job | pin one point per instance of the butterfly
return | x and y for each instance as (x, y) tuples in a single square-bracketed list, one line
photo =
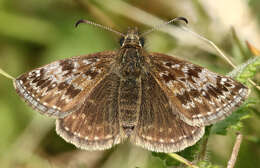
[(157, 101)]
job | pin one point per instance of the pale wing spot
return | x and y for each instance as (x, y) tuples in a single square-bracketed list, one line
[(212, 117), (73, 117), (186, 106), (189, 105), (169, 84), (185, 69), (209, 113), (54, 107), (211, 102), (218, 99), (161, 140), (182, 137), (83, 116), (67, 100), (192, 104), (89, 78), (199, 100), (222, 97), (179, 92), (108, 136), (203, 93), (99, 71), (38, 74), (149, 126), (75, 64), (175, 66), (149, 138), (41, 107), (77, 134), (240, 91), (199, 115), (51, 111), (54, 85), (53, 66), (161, 129), (66, 128), (93, 69), (161, 74), (223, 80), (86, 61)]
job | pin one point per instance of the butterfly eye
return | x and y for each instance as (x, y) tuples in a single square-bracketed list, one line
[(142, 41), (121, 41)]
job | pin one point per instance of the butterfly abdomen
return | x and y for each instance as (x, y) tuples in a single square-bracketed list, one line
[(129, 104)]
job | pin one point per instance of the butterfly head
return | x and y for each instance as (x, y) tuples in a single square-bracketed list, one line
[(132, 39)]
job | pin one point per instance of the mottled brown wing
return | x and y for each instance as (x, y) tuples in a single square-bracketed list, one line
[(95, 125), (199, 96), (59, 88), (159, 128)]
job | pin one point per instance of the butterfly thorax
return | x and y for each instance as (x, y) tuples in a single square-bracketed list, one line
[(130, 58)]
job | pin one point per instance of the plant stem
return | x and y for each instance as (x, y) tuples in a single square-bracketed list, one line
[(203, 150), (6, 74), (233, 158), (182, 160), (204, 144)]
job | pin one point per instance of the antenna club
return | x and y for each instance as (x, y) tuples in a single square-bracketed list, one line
[(165, 23), (183, 19), (79, 22)]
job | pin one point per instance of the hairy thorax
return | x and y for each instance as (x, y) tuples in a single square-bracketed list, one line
[(130, 63)]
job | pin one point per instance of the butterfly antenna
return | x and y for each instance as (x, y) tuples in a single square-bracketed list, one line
[(165, 23), (98, 25)]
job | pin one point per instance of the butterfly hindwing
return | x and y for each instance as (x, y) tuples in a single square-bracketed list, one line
[(159, 128), (95, 125), (59, 88), (199, 96)]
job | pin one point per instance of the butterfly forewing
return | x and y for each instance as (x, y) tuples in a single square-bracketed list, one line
[(95, 125), (59, 88), (159, 128), (198, 96)]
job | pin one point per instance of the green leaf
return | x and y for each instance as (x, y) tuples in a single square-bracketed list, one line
[(234, 120), (242, 73), (205, 164), (189, 153), (246, 71)]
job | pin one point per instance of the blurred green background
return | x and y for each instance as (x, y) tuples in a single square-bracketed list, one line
[(34, 32)]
